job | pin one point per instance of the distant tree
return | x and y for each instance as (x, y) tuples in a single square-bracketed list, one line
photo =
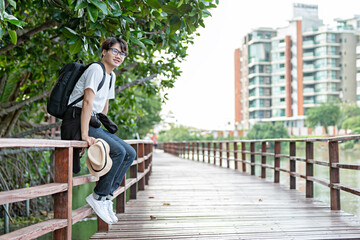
[(267, 130), (327, 114), (352, 123), (349, 114), (177, 133)]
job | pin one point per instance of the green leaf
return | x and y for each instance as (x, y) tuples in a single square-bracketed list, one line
[(2, 31), (170, 9), (93, 12), (154, 4), (180, 3), (100, 4), (69, 33), (147, 41), (12, 3), (136, 41), (13, 36), (13, 20), (114, 5), (76, 47), (2, 6), (175, 27), (80, 4), (206, 13), (186, 8)]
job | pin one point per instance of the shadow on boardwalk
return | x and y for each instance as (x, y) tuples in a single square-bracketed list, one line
[(194, 200)]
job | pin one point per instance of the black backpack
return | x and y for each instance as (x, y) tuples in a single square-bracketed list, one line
[(68, 77)]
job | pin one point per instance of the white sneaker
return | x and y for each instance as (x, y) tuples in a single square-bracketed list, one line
[(100, 208), (111, 211)]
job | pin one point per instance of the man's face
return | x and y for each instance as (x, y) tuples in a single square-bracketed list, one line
[(114, 57)]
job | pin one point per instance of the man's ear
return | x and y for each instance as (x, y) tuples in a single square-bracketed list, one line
[(103, 53)]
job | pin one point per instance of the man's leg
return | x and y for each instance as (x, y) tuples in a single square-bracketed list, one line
[(125, 165)]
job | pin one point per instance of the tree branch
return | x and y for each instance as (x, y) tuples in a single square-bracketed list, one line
[(24, 150), (26, 36), (126, 69), (136, 82), (37, 129), (161, 30), (18, 105), (2, 84)]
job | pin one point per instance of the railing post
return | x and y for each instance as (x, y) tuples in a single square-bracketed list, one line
[(148, 150), (193, 150), (63, 200), (133, 174), (277, 162), (197, 151), (121, 199), (252, 156), (182, 150), (209, 146), (309, 169), (227, 155), (214, 149), (220, 153), (203, 150), (263, 160), (141, 166), (334, 175), (243, 156), (292, 146), (236, 155)]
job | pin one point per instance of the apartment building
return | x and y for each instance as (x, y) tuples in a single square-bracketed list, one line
[(281, 73)]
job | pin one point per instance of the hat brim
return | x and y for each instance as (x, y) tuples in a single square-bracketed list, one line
[(98, 150)]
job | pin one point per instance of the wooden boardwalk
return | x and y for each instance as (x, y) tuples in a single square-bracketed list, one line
[(194, 200)]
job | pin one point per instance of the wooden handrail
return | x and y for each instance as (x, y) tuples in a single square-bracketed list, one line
[(61, 189), (242, 148)]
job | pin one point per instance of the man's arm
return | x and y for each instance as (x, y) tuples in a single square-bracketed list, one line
[(87, 107), (106, 108)]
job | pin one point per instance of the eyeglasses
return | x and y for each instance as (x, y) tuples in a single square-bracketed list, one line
[(115, 52)]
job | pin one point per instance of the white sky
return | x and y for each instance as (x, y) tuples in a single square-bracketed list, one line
[(203, 97)]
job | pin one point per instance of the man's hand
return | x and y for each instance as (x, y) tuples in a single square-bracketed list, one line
[(89, 140)]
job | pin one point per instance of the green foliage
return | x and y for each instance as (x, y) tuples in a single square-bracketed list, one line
[(267, 130), (147, 113), (179, 133), (350, 116), (157, 31), (328, 114), (349, 144), (351, 123)]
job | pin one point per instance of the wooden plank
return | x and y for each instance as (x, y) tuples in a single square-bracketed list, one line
[(210, 202), (23, 142), (31, 192), (81, 213), (84, 179), (35, 230)]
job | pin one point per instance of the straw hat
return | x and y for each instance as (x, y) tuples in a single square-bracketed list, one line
[(98, 159)]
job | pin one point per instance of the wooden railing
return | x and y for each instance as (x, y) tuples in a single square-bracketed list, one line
[(61, 189), (218, 152)]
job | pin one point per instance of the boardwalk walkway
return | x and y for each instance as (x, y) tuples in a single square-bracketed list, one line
[(194, 200)]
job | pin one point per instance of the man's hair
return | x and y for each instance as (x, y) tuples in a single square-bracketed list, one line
[(110, 41)]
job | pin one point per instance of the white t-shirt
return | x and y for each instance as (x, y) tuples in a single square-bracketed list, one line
[(91, 78)]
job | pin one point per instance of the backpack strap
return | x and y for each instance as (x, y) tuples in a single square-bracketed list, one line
[(101, 84), (103, 80)]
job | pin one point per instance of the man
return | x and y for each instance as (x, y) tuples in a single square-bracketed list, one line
[(114, 51)]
